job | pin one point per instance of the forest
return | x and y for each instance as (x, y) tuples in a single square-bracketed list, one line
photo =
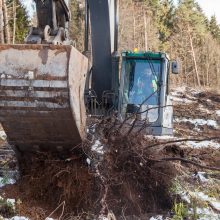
[(183, 31)]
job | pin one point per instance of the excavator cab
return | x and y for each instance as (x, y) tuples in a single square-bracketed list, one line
[(144, 90)]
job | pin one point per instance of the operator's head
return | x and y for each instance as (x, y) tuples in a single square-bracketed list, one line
[(147, 71)]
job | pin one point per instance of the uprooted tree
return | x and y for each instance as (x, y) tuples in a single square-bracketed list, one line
[(116, 170)]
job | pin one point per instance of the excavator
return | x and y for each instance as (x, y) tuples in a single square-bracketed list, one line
[(48, 88)]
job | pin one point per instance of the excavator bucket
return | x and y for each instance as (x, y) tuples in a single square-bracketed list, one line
[(42, 96)]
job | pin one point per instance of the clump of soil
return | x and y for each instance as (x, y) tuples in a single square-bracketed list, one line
[(48, 178), (126, 179), (135, 183)]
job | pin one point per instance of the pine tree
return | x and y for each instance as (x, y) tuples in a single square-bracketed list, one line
[(22, 23), (19, 21), (165, 19), (76, 25), (154, 5), (214, 28), (189, 35)]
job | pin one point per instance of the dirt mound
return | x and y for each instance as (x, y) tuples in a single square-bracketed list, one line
[(125, 178), (116, 170), (53, 180), (135, 184)]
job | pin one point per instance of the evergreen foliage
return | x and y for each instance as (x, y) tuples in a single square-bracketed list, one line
[(182, 30), (214, 28), (22, 20), (76, 25), (165, 22), (22, 23)]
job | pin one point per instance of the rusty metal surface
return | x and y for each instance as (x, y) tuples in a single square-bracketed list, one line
[(41, 96)]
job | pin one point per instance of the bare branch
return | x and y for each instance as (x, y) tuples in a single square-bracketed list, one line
[(186, 161), (182, 140)]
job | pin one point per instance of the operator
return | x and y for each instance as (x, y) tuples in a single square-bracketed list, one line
[(145, 88)]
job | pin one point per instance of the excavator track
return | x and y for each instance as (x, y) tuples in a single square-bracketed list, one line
[(41, 96)]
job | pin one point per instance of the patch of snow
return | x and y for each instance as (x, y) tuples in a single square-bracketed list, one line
[(159, 217), (181, 89), (19, 218), (212, 123), (181, 100), (216, 205), (98, 147), (212, 201), (88, 161), (153, 137), (217, 113), (205, 214), (200, 122), (201, 195), (165, 137), (7, 181), (49, 219), (92, 129), (197, 129), (11, 202), (176, 93), (200, 176), (3, 136), (185, 197), (3, 76), (203, 144), (187, 92)]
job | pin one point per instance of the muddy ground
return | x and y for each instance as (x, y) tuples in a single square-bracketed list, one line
[(120, 175)]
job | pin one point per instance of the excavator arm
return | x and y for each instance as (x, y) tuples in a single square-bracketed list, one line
[(103, 17), (53, 18)]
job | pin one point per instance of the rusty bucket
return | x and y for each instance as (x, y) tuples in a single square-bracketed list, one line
[(42, 96)]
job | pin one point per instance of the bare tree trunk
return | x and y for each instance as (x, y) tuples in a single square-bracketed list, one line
[(185, 65), (145, 32), (207, 74), (1, 24), (6, 24), (134, 32), (194, 59), (218, 75), (14, 21), (203, 78), (203, 71)]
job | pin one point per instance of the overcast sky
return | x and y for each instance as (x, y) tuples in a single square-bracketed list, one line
[(210, 7)]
